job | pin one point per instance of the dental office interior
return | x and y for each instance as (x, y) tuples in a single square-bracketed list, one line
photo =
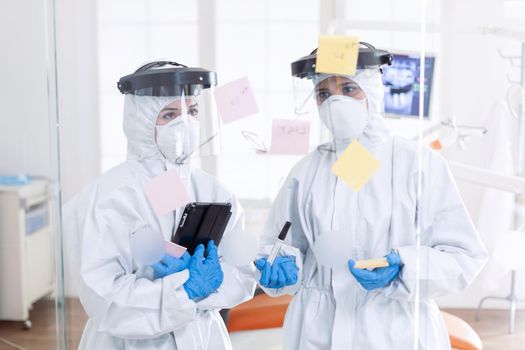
[(62, 117)]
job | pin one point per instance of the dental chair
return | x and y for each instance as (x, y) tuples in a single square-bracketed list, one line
[(264, 312)]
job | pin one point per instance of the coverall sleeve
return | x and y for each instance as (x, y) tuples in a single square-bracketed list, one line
[(115, 298), (452, 253), (285, 208), (238, 285)]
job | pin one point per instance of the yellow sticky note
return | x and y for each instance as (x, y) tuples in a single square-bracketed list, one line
[(337, 54), (356, 166), (371, 263)]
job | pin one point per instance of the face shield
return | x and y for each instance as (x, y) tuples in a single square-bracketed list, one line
[(343, 102), (184, 121)]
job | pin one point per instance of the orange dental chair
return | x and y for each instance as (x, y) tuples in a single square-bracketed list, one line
[(264, 312)]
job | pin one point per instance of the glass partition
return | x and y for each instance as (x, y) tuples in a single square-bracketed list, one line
[(402, 181), (32, 303)]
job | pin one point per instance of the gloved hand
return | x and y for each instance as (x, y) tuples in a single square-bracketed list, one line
[(169, 264), (379, 277), (283, 272), (206, 275)]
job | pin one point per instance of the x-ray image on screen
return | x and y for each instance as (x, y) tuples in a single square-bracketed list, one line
[(401, 81)]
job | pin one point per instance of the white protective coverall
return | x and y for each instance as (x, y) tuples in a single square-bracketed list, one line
[(330, 310), (126, 308)]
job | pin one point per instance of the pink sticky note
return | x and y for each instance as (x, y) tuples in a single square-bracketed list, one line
[(166, 192), (290, 136), (235, 100), (173, 249)]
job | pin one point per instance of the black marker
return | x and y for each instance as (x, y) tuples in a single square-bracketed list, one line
[(280, 241)]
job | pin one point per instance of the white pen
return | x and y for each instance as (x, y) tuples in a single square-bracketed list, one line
[(280, 241)]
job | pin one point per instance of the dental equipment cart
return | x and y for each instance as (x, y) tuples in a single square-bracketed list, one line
[(26, 259)]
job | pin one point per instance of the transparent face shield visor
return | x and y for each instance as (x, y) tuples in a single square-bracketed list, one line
[(304, 99), (311, 92), (193, 110)]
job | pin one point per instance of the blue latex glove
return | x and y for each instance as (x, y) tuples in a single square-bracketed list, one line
[(379, 277), (169, 264), (206, 275), (283, 272)]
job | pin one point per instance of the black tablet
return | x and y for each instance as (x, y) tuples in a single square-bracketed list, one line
[(201, 222)]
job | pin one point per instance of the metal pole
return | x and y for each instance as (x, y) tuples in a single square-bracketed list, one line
[(54, 158), (520, 204), (521, 139), (207, 59)]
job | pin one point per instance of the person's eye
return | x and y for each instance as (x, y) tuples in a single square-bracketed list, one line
[(194, 112), (348, 89), (168, 116), (322, 95)]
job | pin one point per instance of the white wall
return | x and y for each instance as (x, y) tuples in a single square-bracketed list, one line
[(24, 131), (23, 91), (474, 78), (78, 94), (24, 127), (78, 101)]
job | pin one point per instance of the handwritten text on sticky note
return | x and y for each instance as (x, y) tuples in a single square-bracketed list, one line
[(337, 54), (166, 192), (356, 166), (290, 136), (235, 100)]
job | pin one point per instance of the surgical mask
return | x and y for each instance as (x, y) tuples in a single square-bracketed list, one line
[(178, 139), (345, 117)]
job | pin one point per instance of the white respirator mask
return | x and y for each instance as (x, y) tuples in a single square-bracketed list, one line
[(345, 117), (178, 139)]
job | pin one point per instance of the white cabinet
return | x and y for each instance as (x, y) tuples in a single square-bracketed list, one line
[(26, 254)]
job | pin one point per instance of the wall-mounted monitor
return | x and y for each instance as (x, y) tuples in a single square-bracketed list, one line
[(401, 82)]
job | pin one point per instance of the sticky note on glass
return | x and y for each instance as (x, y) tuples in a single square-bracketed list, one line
[(436, 145), (356, 166), (371, 263), (235, 100), (166, 192), (337, 54), (174, 249), (290, 136)]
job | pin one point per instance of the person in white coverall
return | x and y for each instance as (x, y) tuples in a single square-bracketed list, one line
[(349, 308), (177, 307)]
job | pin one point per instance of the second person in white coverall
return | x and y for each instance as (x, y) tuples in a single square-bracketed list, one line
[(347, 308), (127, 307)]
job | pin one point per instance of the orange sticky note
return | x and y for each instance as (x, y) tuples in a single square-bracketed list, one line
[(166, 192), (356, 166), (337, 54), (436, 145)]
